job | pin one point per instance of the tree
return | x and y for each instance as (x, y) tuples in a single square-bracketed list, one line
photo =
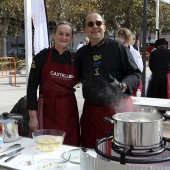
[(127, 14), (164, 18), (11, 18), (72, 11), (117, 13)]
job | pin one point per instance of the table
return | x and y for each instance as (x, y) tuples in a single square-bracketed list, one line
[(152, 103), (155, 103), (20, 161)]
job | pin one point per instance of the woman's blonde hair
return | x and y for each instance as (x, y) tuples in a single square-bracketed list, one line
[(124, 33)]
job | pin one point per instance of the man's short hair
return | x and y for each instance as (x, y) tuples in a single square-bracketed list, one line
[(160, 42), (85, 16)]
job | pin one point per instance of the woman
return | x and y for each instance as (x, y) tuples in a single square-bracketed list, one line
[(54, 72), (124, 35)]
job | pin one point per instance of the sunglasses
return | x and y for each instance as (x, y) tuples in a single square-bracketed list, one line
[(91, 23)]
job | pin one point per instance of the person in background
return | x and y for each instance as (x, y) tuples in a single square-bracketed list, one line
[(53, 71), (108, 74), (21, 108), (80, 45), (85, 42), (159, 64), (124, 35), (136, 45)]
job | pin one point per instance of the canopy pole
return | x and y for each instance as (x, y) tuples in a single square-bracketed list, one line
[(157, 20), (144, 46), (28, 36)]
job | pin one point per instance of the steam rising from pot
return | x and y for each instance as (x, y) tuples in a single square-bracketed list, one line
[(98, 91)]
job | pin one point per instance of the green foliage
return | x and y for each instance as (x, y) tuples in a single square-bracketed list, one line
[(70, 10), (12, 16), (117, 13), (164, 18)]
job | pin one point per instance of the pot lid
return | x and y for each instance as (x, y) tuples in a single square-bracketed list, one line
[(9, 117)]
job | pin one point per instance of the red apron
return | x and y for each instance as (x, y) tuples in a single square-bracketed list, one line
[(168, 85), (57, 105), (93, 126), (154, 89)]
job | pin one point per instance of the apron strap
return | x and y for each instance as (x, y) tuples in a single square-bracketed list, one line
[(40, 112)]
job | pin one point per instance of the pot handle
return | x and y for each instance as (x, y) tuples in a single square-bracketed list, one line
[(166, 116), (20, 122), (108, 120)]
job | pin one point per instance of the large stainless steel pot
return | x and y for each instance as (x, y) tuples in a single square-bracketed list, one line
[(9, 126), (137, 129)]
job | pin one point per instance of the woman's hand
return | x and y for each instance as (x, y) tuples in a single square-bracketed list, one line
[(33, 123)]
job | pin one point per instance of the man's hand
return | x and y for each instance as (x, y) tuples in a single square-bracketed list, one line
[(123, 87), (117, 85)]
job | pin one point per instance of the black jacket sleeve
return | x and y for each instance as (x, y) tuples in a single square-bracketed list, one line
[(131, 75), (34, 79)]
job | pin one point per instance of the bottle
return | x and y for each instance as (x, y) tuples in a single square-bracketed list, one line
[(138, 93)]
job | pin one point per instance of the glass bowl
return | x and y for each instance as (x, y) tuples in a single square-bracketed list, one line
[(50, 161), (48, 139)]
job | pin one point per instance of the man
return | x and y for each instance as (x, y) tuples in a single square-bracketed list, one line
[(86, 41), (106, 69), (80, 45), (159, 64)]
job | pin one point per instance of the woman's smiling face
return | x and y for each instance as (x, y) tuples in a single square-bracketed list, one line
[(63, 36)]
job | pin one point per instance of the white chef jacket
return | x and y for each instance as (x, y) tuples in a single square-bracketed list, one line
[(137, 57)]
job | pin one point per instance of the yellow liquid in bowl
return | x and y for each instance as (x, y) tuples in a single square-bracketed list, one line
[(48, 142)]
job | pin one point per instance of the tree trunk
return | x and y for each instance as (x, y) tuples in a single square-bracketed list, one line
[(4, 53), (3, 31), (1, 47)]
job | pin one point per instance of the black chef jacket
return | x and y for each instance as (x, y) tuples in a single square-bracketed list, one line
[(96, 64), (159, 60), (35, 73)]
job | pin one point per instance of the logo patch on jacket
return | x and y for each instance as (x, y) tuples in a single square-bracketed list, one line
[(97, 57)]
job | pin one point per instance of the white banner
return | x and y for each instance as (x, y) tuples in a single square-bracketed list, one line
[(40, 25)]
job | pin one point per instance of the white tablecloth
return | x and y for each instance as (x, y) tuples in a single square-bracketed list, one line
[(20, 161), (153, 103)]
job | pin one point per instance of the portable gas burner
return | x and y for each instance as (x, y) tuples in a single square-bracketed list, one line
[(111, 150)]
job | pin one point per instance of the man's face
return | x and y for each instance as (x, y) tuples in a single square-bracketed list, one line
[(94, 28)]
